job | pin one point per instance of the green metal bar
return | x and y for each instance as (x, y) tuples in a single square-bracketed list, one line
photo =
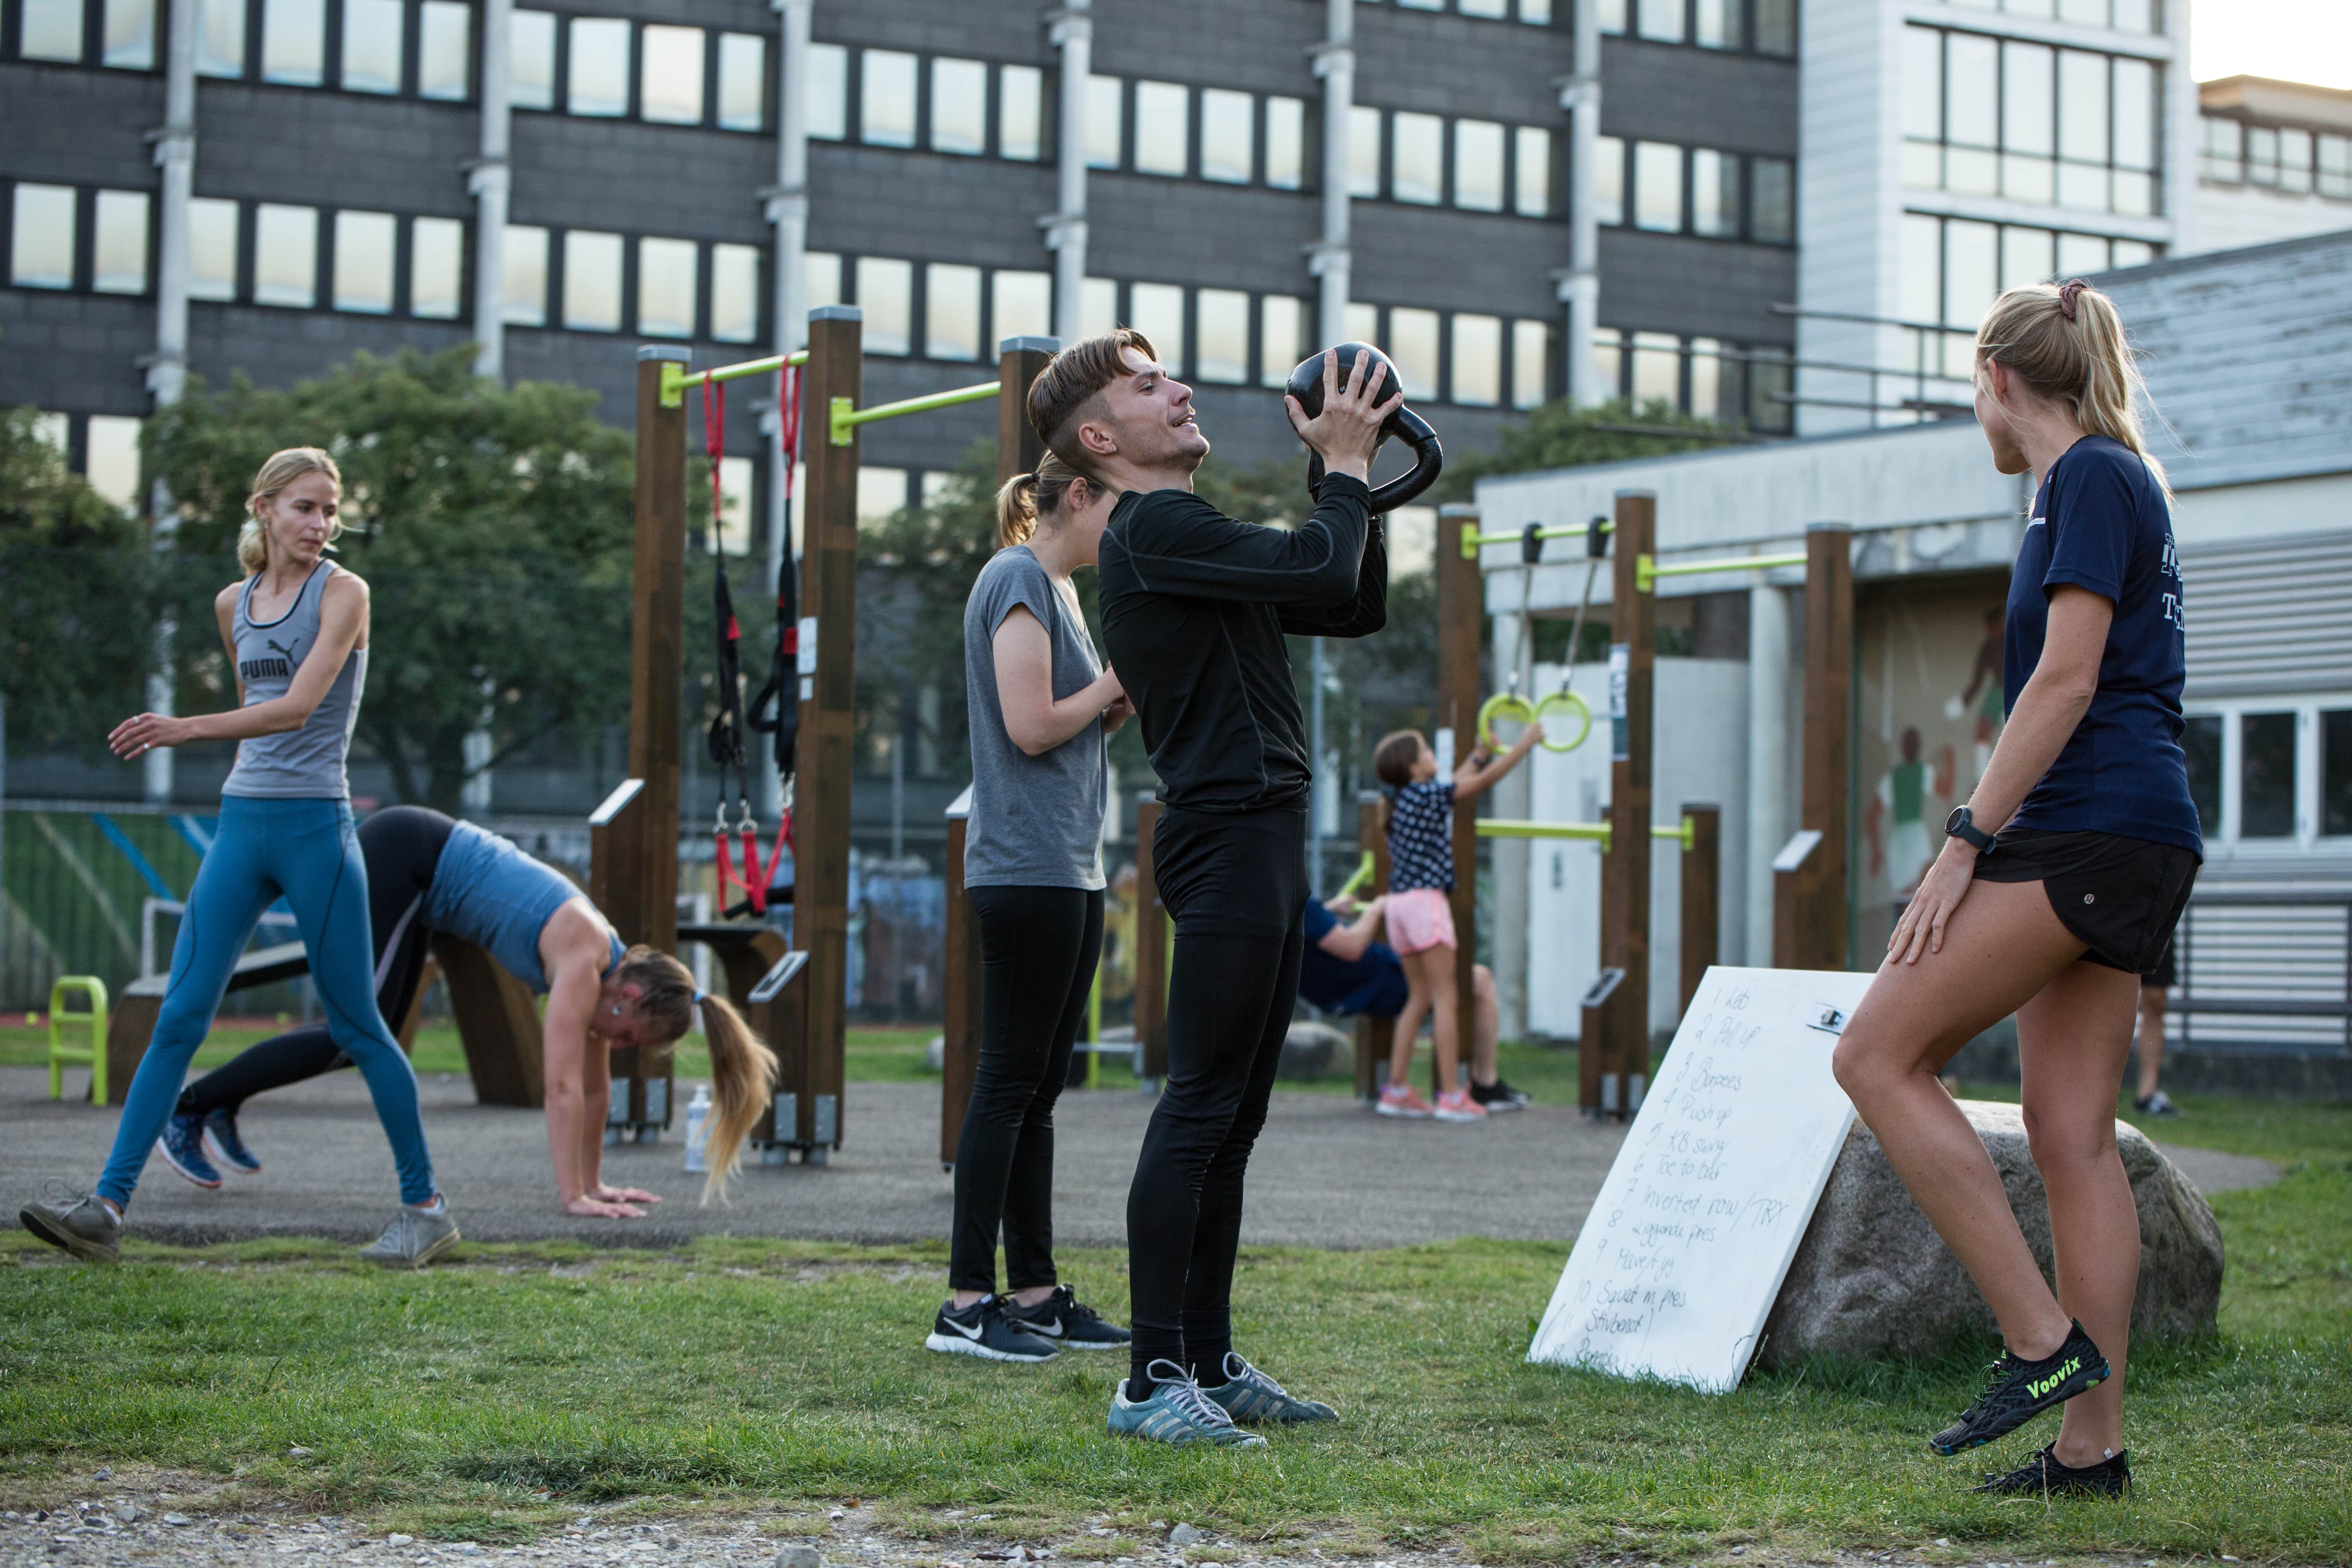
[(1363, 874), (1505, 828), (1646, 570), (1471, 539), (1687, 834), (676, 380), (846, 416)]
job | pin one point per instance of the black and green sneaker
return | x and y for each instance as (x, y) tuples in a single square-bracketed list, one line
[(2017, 1391), (2046, 1476)]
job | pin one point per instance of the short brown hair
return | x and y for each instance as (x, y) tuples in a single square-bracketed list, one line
[(1393, 758), (1074, 378)]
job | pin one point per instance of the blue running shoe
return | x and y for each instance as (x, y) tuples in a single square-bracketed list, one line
[(1248, 1395), (220, 1137), (1176, 1412), (183, 1148)]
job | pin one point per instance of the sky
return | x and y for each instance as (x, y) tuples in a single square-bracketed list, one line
[(2293, 40)]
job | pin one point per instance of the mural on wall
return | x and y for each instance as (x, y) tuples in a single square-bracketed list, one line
[(1928, 712)]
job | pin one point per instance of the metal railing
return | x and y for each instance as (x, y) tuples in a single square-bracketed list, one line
[(2274, 970)]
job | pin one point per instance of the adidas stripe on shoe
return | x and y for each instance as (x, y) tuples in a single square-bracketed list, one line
[(1177, 1412)]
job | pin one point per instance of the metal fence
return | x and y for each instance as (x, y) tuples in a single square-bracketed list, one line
[(2266, 972)]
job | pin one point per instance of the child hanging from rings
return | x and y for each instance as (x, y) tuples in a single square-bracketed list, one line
[(1420, 912)]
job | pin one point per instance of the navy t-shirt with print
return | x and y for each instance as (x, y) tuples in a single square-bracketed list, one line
[(2100, 523), (1421, 838)]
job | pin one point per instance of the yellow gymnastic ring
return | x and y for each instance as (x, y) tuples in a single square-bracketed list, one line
[(1567, 703), (1502, 705)]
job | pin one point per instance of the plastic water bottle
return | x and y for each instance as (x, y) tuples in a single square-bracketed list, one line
[(697, 1122)]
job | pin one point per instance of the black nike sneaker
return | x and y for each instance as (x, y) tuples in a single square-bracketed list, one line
[(1500, 1095), (2045, 1477), (983, 1329), (1063, 1320), (2016, 1391)]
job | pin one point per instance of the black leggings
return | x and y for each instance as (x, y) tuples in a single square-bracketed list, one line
[(1037, 953), (1236, 886), (401, 846)]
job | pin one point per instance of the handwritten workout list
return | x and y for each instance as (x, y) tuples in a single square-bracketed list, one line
[(1679, 1261)]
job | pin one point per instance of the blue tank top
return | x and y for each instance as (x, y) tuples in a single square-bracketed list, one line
[(493, 895)]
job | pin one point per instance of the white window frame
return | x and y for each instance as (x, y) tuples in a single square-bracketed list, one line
[(2306, 707)]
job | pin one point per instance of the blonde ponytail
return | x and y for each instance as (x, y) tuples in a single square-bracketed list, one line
[(1027, 501), (742, 1067), (2065, 343), (282, 470)]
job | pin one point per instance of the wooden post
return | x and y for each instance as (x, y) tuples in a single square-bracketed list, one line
[(1151, 948), (1019, 448), (1702, 890), (960, 984), (1375, 1038), (497, 1024), (1461, 620), (1827, 740), (1626, 869)]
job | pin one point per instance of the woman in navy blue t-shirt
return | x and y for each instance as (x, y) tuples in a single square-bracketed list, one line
[(2058, 883)]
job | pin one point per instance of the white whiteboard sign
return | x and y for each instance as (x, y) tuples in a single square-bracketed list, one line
[(1686, 1247)]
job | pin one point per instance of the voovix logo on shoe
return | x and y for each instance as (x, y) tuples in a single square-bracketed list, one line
[(2040, 1385)]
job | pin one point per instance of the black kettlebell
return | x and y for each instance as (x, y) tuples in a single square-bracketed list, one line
[(1306, 384)]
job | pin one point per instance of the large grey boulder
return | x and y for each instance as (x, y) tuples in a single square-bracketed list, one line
[(1309, 1049), (1871, 1278)]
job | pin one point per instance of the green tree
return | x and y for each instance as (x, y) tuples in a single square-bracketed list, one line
[(492, 524)]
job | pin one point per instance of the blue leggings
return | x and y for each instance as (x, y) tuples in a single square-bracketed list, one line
[(306, 850)]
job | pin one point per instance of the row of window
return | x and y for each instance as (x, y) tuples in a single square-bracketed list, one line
[(1694, 190), (2117, 16), (2284, 157), (2001, 117), (1534, 13), (1953, 269), (425, 49), (1704, 376), (2282, 774), (1764, 26), (101, 448)]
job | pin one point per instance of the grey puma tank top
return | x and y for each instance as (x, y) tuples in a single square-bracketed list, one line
[(298, 765)]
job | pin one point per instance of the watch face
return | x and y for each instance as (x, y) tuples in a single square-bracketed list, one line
[(1958, 820)]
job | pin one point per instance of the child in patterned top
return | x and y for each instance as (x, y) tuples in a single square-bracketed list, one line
[(1419, 910)]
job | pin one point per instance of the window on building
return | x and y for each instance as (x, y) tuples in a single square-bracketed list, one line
[(2028, 123), (1496, 9), (212, 248), (51, 30), (1021, 304), (1772, 200), (736, 478), (2135, 132), (1156, 310), (1363, 152), (885, 290), (743, 81), (1221, 353), (669, 85), (1919, 272), (2131, 253), (1286, 144), (1657, 369), (1530, 363), (2335, 167), (886, 100), (1768, 384), (1658, 186), (1098, 306), (2027, 256), (1413, 349), (42, 234), (2083, 140), (130, 41), (1163, 123), (951, 310), (1477, 368), (2267, 776), (445, 50), (294, 42), (1610, 15), (735, 292), (119, 256), (1531, 173), (220, 38), (1971, 272), (2200, 739), (1607, 180), (373, 31), (1478, 165), (110, 459), (530, 43), (598, 82), (1608, 360), (829, 92), (1923, 108), (1715, 194), (1228, 136), (1106, 122), (436, 262), (1660, 20), (523, 288), (959, 107), (1706, 378), (2080, 255), (1417, 157), (365, 245), (285, 256), (1363, 325), (592, 280), (880, 493), (1020, 112), (2334, 771), (1282, 337), (2223, 148), (668, 294), (1717, 24), (1776, 28), (821, 278)]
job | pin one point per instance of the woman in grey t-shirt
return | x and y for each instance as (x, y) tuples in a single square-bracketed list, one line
[(1040, 705)]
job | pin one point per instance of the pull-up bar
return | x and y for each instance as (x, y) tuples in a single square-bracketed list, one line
[(1597, 832), (1646, 570), (676, 379), (845, 415), (1471, 539)]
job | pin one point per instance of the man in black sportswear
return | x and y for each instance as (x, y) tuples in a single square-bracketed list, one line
[(1195, 608)]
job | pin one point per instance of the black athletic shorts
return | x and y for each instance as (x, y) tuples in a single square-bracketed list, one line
[(2119, 897), (2165, 975)]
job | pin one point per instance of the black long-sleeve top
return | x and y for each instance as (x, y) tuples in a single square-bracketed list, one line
[(1194, 609)]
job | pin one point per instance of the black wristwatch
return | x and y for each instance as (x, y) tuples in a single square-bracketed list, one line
[(1963, 827)]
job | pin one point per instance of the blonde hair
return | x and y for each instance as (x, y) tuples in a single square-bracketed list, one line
[(1027, 499), (742, 1067), (282, 470), (2065, 342)]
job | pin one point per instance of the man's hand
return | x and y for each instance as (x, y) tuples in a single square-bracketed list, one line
[(1348, 431)]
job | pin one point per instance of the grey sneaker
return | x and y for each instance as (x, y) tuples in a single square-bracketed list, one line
[(1176, 1412), (1248, 1395), (78, 1222), (414, 1238)]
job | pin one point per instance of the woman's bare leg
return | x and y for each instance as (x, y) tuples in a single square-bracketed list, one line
[(2002, 947), (2072, 1041), (2151, 1038)]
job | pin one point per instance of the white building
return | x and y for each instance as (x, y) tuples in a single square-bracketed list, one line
[(2275, 161)]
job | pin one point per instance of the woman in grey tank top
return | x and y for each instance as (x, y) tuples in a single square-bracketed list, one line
[(296, 630)]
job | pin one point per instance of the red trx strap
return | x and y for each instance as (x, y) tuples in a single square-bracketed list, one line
[(781, 696), (725, 737)]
